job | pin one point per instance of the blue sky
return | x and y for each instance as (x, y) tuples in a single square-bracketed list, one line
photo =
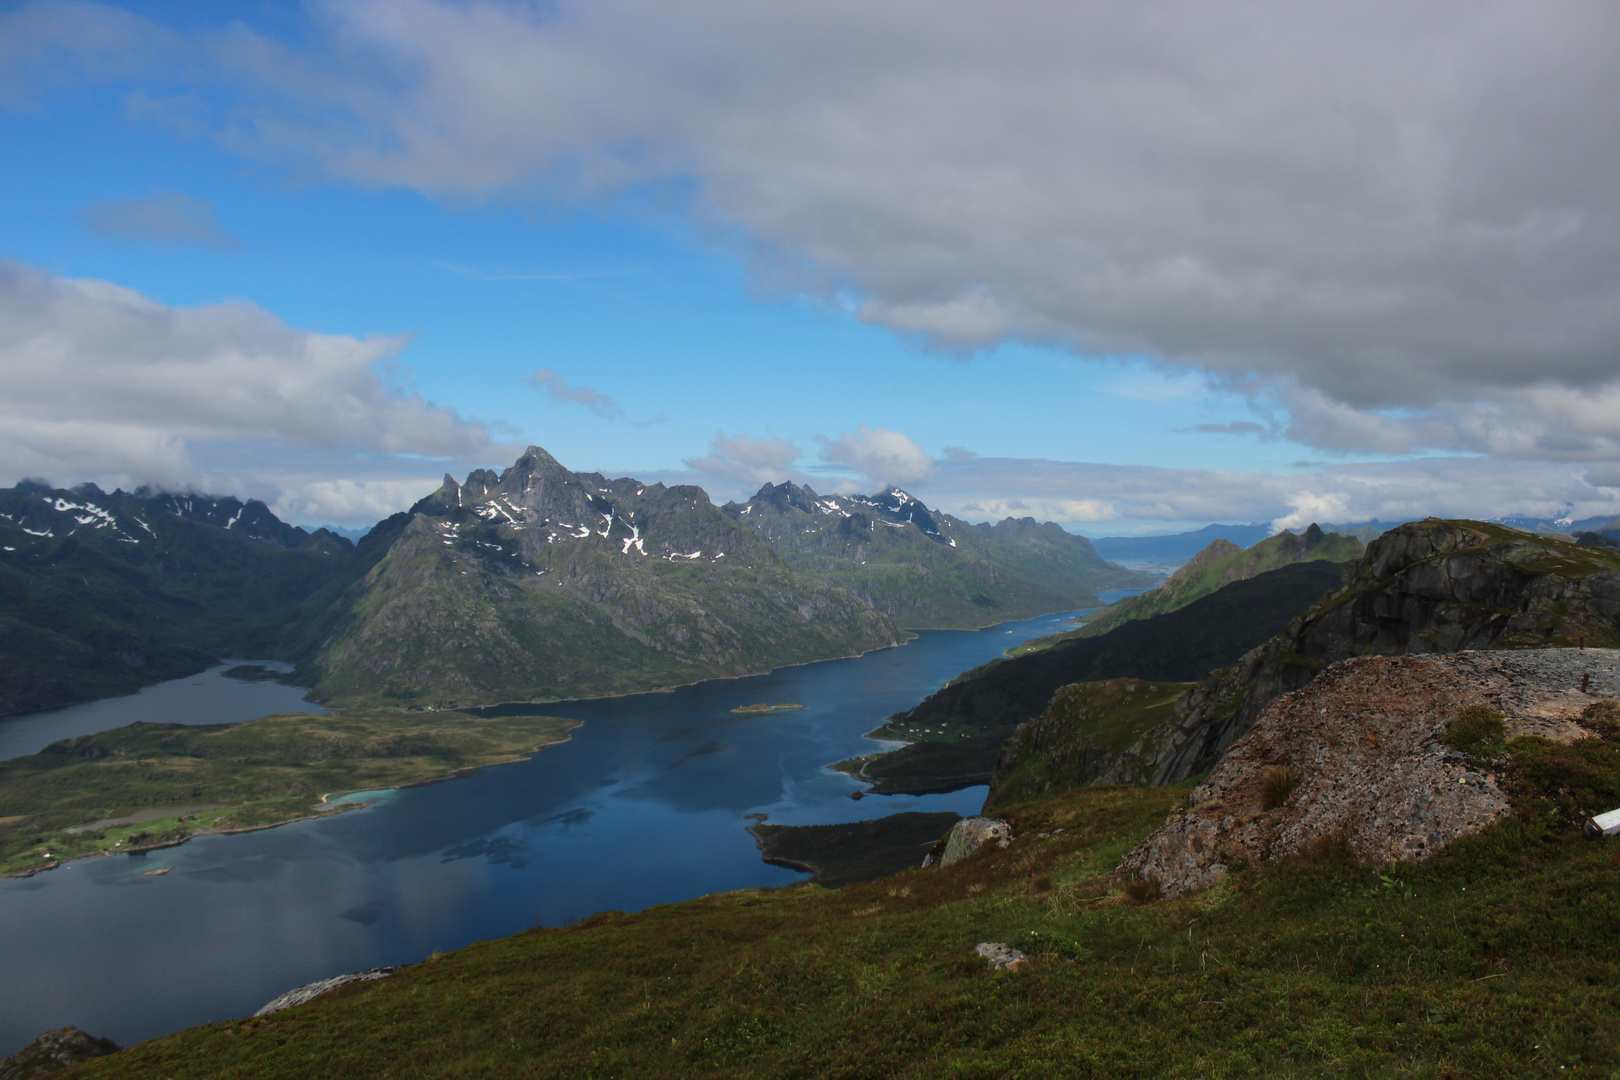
[(333, 213)]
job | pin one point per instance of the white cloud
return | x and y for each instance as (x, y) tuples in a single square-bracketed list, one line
[(97, 381), (888, 458), (1380, 208), (745, 458), (557, 391), (1137, 497), (166, 217)]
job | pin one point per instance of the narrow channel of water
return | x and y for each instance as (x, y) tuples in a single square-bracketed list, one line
[(207, 697), (645, 805)]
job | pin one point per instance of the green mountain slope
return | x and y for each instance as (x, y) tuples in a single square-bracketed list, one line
[(102, 594), (1218, 565), (925, 569), (955, 734), (1425, 587), (540, 584)]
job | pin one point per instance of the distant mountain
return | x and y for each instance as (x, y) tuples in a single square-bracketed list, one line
[(541, 583), (1173, 549), (1219, 565), (924, 568), (105, 593)]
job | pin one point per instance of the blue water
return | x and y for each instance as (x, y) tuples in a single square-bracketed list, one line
[(207, 697), (645, 805)]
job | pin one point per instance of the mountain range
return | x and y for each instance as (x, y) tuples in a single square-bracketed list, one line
[(925, 569), (102, 594), (537, 583)]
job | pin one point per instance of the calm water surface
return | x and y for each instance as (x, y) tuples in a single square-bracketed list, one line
[(645, 805), (205, 698)]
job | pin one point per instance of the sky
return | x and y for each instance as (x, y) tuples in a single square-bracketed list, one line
[(1130, 267)]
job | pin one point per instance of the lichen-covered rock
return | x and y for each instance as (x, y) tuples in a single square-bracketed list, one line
[(1365, 760), (316, 989), (969, 834), (1002, 957), (53, 1052)]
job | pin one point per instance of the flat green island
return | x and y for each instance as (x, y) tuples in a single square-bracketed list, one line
[(156, 785), (761, 707)]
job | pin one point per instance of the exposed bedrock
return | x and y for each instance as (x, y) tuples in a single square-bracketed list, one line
[(1364, 758)]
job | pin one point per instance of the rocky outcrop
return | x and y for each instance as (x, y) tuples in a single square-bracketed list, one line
[(1358, 754), (53, 1052), (309, 991), (1001, 956), (1425, 587), (970, 834)]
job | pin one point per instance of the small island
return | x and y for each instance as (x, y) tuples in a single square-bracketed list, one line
[(761, 707)]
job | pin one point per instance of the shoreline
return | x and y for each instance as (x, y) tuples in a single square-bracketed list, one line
[(320, 809)]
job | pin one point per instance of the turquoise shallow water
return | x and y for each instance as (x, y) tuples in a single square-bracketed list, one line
[(645, 805)]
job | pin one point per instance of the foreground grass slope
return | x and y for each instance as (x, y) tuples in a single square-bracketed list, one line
[(1501, 957)]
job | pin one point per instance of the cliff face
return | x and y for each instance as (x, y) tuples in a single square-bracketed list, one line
[(1426, 587), (1366, 764)]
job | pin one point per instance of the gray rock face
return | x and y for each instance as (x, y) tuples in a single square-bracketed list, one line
[(1423, 588), (969, 834), (1362, 743), (316, 989), (54, 1051)]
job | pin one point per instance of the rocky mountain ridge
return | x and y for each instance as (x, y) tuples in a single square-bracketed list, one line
[(105, 593), (925, 569), (540, 583)]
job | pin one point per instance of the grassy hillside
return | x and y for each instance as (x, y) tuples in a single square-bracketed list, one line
[(957, 732), (1218, 565), (1500, 957)]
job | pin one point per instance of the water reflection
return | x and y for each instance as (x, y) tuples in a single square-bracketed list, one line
[(645, 805)]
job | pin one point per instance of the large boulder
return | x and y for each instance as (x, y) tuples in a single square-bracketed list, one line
[(1358, 755)]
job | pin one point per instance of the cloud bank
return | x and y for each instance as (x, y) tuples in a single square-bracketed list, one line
[(1394, 225), (99, 382)]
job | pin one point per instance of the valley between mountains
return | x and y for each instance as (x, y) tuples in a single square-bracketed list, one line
[(1270, 759)]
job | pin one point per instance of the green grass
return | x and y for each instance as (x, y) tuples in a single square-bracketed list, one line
[(182, 780), (1500, 957), (1087, 726)]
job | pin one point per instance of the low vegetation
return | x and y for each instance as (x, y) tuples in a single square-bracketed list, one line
[(154, 784), (956, 734), (1499, 957)]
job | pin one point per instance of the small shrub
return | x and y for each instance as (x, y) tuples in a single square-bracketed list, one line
[(1333, 847), (1602, 717), (1475, 730), (1142, 888), (1276, 786)]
